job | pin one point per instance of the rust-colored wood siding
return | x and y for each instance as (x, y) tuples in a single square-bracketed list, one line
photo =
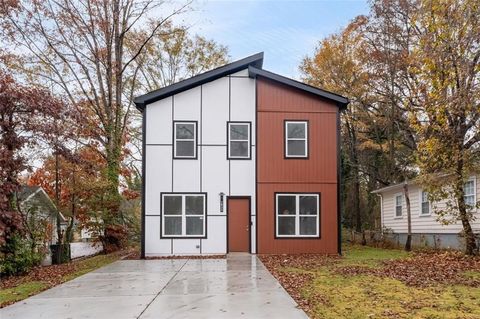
[(317, 174)]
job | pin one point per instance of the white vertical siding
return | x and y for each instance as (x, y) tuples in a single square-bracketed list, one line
[(153, 244), (215, 111), (420, 224), (215, 176), (158, 176), (186, 175), (159, 122), (217, 235), (212, 105)]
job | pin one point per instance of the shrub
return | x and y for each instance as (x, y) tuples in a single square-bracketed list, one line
[(115, 238), (18, 256)]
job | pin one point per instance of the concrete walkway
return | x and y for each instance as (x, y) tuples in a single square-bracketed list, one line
[(236, 287)]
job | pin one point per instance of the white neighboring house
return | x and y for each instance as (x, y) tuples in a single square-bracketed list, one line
[(426, 229)]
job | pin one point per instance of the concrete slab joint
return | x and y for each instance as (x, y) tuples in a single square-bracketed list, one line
[(239, 286)]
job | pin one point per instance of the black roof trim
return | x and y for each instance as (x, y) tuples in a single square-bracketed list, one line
[(253, 60), (341, 101)]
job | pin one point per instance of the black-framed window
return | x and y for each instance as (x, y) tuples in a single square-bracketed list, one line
[(297, 215), (185, 139), (296, 139), (184, 215), (239, 140)]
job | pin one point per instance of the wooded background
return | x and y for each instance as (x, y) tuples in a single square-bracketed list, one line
[(69, 70)]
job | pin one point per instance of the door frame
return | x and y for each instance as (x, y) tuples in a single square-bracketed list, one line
[(249, 198)]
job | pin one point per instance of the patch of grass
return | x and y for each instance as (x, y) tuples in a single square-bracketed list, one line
[(90, 264), (30, 286), (335, 296), (472, 274), (22, 291), (324, 291), (357, 255)]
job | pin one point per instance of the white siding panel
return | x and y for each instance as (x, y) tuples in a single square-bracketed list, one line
[(215, 176), (158, 176), (215, 99), (187, 105), (186, 175), (243, 101), (217, 233), (153, 244), (253, 230), (242, 176), (241, 73), (186, 246), (159, 122)]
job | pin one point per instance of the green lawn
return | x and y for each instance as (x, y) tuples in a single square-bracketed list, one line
[(329, 293), (29, 286)]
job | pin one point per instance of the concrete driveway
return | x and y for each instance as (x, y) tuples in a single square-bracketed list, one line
[(236, 287)]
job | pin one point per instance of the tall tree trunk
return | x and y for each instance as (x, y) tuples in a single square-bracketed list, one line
[(355, 172), (408, 242), (470, 244)]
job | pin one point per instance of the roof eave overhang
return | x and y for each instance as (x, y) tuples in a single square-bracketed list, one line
[(253, 60), (339, 100)]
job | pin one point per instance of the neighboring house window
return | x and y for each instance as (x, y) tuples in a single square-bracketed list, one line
[(183, 215), (297, 215), (296, 139), (239, 140), (398, 205), (185, 140), (469, 190), (425, 203)]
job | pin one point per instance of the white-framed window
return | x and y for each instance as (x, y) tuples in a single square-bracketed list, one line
[(185, 139), (469, 193), (239, 140), (424, 203), (296, 139), (183, 215), (398, 205), (297, 215)]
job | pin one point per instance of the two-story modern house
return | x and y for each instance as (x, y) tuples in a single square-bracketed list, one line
[(239, 159)]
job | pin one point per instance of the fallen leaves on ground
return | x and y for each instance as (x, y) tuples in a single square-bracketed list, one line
[(295, 281), (423, 269)]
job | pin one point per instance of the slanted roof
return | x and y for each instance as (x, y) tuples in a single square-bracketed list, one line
[(35, 196), (26, 191), (143, 100), (341, 101), (254, 64)]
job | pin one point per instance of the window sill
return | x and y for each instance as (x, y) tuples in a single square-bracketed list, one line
[(398, 217), (424, 215)]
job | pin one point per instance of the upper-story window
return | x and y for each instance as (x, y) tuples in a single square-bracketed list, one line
[(185, 140), (239, 140), (469, 190), (425, 209), (398, 205), (296, 139)]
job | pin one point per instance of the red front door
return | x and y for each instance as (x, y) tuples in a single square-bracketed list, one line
[(238, 224)]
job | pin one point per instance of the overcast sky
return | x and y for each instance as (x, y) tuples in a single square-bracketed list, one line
[(285, 30)]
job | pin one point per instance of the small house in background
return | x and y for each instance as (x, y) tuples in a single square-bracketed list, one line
[(427, 230), (39, 209), (41, 213), (240, 159), (35, 202)]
